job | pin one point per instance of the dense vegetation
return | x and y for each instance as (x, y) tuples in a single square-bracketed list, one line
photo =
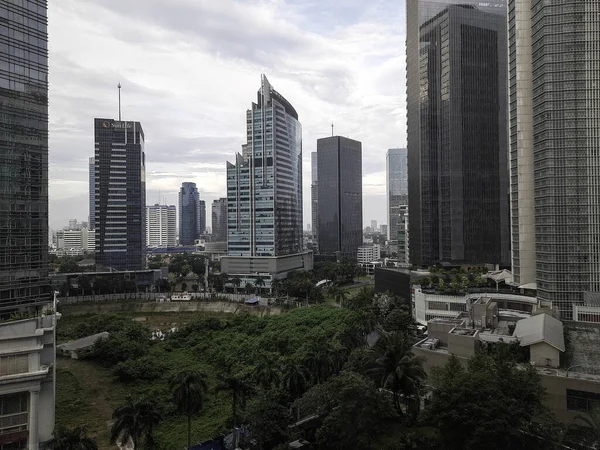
[(310, 373)]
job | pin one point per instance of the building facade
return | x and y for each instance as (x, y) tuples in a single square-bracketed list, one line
[(457, 132), (202, 217), (161, 226), (396, 176), (554, 148), (189, 214), (23, 155), (120, 194), (75, 242), (368, 253), (339, 167), (92, 193), (314, 200), (219, 220), (27, 357), (264, 186)]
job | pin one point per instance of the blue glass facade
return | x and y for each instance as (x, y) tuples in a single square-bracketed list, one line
[(190, 211)]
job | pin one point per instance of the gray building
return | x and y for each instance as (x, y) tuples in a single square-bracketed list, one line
[(27, 352), (92, 193), (264, 186), (190, 214), (340, 215), (554, 148), (202, 217), (396, 176), (23, 155), (219, 220), (314, 200), (457, 132), (120, 194)]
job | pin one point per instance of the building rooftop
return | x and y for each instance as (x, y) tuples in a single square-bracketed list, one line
[(447, 320), (541, 328)]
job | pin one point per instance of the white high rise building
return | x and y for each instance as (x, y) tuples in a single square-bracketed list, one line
[(161, 226)]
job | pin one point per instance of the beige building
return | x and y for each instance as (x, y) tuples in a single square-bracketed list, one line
[(27, 381)]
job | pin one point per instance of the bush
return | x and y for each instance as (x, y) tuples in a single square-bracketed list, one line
[(144, 368), (117, 348)]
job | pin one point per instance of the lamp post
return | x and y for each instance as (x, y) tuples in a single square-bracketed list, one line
[(571, 367)]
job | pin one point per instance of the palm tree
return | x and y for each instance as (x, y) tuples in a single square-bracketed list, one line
[(248, 287), (319, 361), (239, 387), (591, 420), (400, 370), (294, 378), (258, 283), (189, 389), (267, 371), (338, 295), (236, 281), (134, 420), (75, 439), (275, 286)]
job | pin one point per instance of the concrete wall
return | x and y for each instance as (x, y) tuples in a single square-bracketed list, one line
[(543, 354), (167, 307), (463, 345)]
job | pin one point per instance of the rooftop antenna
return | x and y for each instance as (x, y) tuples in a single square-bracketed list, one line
[(331, 129), (119, 86), (159, 196)]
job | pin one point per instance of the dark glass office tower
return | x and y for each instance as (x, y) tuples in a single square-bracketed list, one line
[(202, 217), (120, 190), (314, 200), (457, 132), (219, 220), (397, 190), (339, 167), (23, 155), (92, 193), (189, 214), (264, 186)]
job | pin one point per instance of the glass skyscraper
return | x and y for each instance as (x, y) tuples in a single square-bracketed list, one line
[(339, 167), (189, 214), (457, 132), (23, 155), (264, 185), (92, 193), (314, 199), (120, 194), (219, 220), (555, 148), (396, 171)]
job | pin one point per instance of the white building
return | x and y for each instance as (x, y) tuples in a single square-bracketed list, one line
[(368, 253), (75, 242), (27, 381), (161, 226)]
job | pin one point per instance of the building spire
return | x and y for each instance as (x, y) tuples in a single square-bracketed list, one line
[(331, 129), (119, 87)]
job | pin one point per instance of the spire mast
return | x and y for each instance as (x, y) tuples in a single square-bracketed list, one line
[(119, 87)]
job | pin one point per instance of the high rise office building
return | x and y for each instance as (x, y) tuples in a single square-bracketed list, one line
[(264, 186), (457, 132), (161, 226), (189, 214), (554, 148), (92, 193), (28, 358), (339, 169), (314, 200), (374, 225), (120, 194), (202, 217), (396, 176), (219, 220), (23, 155)]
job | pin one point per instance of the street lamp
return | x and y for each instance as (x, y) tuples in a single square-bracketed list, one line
[(576, 365)]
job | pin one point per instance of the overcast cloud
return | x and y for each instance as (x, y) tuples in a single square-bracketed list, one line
[(191, 68)]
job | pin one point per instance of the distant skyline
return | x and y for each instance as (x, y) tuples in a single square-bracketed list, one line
[(190, 86)]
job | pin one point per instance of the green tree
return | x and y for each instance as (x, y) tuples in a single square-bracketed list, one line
[(337, 294), (294, 378), (268, 419), (398, 368), (490, 404), (189, 389), (70, 439), (267, 372), (184, 286), (68, 264), (248, 288), (135, 420), (319, 361), (259, 283), (353, 411), (240, 387), (236, 281), (590, 432)]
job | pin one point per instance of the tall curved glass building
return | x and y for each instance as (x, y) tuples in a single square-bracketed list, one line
[(264, 185)]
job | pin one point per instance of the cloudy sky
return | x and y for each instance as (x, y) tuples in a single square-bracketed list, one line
[(191, 68)]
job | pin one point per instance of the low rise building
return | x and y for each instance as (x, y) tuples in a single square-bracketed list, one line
[(75, 242), (368, 253)]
